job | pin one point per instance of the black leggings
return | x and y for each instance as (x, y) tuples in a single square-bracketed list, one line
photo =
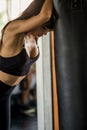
[(5, 96)]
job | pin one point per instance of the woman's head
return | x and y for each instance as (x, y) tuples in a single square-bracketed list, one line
[(38, 32)]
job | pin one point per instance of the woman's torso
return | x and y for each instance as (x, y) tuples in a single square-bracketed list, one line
[(11, 47)]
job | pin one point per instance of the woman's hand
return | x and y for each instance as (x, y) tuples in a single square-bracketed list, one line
[(31, 46)]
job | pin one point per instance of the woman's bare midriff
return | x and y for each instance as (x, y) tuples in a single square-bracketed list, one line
[(9, 79)]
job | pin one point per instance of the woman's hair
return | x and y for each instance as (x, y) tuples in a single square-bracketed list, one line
[(32, 10)]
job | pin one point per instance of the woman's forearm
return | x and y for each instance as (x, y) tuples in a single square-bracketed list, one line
[(47, 8)]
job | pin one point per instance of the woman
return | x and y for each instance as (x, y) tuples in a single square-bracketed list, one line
[(15, 59)]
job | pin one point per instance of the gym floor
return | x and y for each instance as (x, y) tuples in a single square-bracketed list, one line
[(21, 121)]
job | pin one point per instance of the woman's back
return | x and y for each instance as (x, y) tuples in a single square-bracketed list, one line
[(11, 45)]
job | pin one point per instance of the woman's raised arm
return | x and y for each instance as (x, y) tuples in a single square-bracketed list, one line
[(19, 26)]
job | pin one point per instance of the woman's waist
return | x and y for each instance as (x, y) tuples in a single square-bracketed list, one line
[(10, 79)]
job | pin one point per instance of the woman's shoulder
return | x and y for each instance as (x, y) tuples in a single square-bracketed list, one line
[(10, 43)]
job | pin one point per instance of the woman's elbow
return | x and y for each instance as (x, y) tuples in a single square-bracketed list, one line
[(46, 16)]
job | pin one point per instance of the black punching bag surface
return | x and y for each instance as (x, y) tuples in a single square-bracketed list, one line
[(70, 37)]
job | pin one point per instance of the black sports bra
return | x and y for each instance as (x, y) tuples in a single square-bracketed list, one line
[(18, 65)]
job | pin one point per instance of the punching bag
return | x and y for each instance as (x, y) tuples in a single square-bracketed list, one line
[(70, 37)]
